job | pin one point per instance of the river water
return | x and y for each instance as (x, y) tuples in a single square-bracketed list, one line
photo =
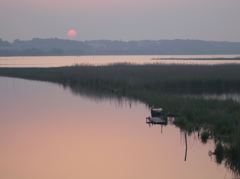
[(49, 132)]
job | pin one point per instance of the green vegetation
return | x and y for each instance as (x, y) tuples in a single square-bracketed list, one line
[(165, 86), (158, 78)]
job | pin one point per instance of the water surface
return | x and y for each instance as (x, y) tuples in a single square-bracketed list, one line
[(49, 132), (57, 61)]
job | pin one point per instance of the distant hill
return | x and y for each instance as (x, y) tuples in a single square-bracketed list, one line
[(57, 46)]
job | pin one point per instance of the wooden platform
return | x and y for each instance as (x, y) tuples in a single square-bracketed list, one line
[(156, 120)]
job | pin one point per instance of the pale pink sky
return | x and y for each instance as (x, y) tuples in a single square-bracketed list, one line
[(121, 19)]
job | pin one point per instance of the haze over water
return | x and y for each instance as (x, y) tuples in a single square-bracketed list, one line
[(49, 132), (58, 61)]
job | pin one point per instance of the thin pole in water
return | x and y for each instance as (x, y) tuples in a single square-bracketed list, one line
[(186, 146)]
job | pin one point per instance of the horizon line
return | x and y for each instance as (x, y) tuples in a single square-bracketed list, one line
[(118, 40)]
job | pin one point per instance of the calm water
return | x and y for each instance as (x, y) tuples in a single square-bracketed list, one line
[(104, 60), (48, 132)]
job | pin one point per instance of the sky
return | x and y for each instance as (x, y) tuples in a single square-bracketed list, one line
[(217, 20)]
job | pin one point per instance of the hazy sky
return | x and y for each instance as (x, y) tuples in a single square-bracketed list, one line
[(121, 19)]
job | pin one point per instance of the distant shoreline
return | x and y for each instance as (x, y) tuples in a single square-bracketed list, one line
[(165, 58), (171, 56), (62, 47), (200, 59), (121, 55)]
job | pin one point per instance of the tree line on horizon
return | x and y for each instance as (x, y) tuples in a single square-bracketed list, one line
[(56, 46)]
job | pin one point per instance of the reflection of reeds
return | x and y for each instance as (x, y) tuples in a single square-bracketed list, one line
[(163, 85)]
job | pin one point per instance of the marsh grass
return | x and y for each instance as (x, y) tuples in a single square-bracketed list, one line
[(162, 78)]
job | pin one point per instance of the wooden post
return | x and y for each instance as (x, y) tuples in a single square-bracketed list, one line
[(186, 146)]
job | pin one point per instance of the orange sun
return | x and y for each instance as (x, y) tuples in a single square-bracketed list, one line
[(72, 33)]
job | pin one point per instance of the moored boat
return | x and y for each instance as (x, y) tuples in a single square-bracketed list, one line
[(156, 112)]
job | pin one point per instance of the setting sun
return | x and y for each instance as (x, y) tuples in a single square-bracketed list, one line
[(72, 33)]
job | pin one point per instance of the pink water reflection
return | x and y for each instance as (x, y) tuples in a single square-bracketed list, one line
[(47, 132)]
